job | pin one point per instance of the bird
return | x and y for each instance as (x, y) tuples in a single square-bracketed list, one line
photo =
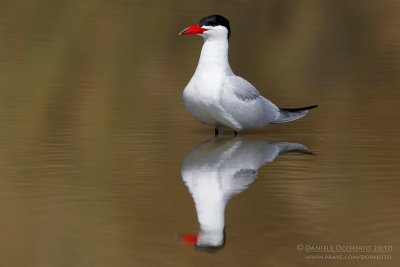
[(216, 170), (221, 99)]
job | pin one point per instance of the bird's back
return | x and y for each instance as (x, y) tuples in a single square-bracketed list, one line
[(245, 104)]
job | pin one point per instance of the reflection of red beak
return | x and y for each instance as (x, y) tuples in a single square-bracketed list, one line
[(189, 239), (194, 29)]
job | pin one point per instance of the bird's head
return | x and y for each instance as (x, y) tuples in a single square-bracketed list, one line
[(209, 241), (211, 27)]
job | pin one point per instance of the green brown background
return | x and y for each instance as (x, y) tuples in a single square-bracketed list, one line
[(93, 131)]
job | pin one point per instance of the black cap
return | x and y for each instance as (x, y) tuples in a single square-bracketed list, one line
[(216, 20)]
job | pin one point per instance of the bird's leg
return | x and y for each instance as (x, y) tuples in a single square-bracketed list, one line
[(235, 133), (216, 131)]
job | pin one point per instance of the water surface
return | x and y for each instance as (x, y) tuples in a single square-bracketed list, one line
[(93, 132)]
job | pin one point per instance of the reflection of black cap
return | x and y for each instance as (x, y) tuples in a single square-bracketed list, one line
[(212, 248)]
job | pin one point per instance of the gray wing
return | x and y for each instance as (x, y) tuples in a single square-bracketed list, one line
[(245, 105), (242, 179), (242, 88)]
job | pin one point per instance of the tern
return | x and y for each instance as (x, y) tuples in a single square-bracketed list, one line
[(221, 99), (218, 169)]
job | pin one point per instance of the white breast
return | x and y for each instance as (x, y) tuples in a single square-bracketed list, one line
[(202, 96)]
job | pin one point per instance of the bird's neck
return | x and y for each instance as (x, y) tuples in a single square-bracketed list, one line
[(210, 201), (214, 55), (211, 217)]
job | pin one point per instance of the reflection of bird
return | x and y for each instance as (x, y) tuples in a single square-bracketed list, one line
[(216, 96), (216, 170)]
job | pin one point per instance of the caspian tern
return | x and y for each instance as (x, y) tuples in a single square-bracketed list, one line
[(217, 97), (218, 169)]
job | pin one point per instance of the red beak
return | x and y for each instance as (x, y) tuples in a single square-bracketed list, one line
[(189, 239), (194, 29)]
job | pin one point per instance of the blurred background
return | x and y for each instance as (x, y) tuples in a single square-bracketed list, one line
[(93, 130)]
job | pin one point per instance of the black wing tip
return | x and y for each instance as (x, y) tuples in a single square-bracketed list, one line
[(313, 106), (299, 109)]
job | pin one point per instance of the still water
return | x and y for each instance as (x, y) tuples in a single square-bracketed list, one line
[(98, 156)]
